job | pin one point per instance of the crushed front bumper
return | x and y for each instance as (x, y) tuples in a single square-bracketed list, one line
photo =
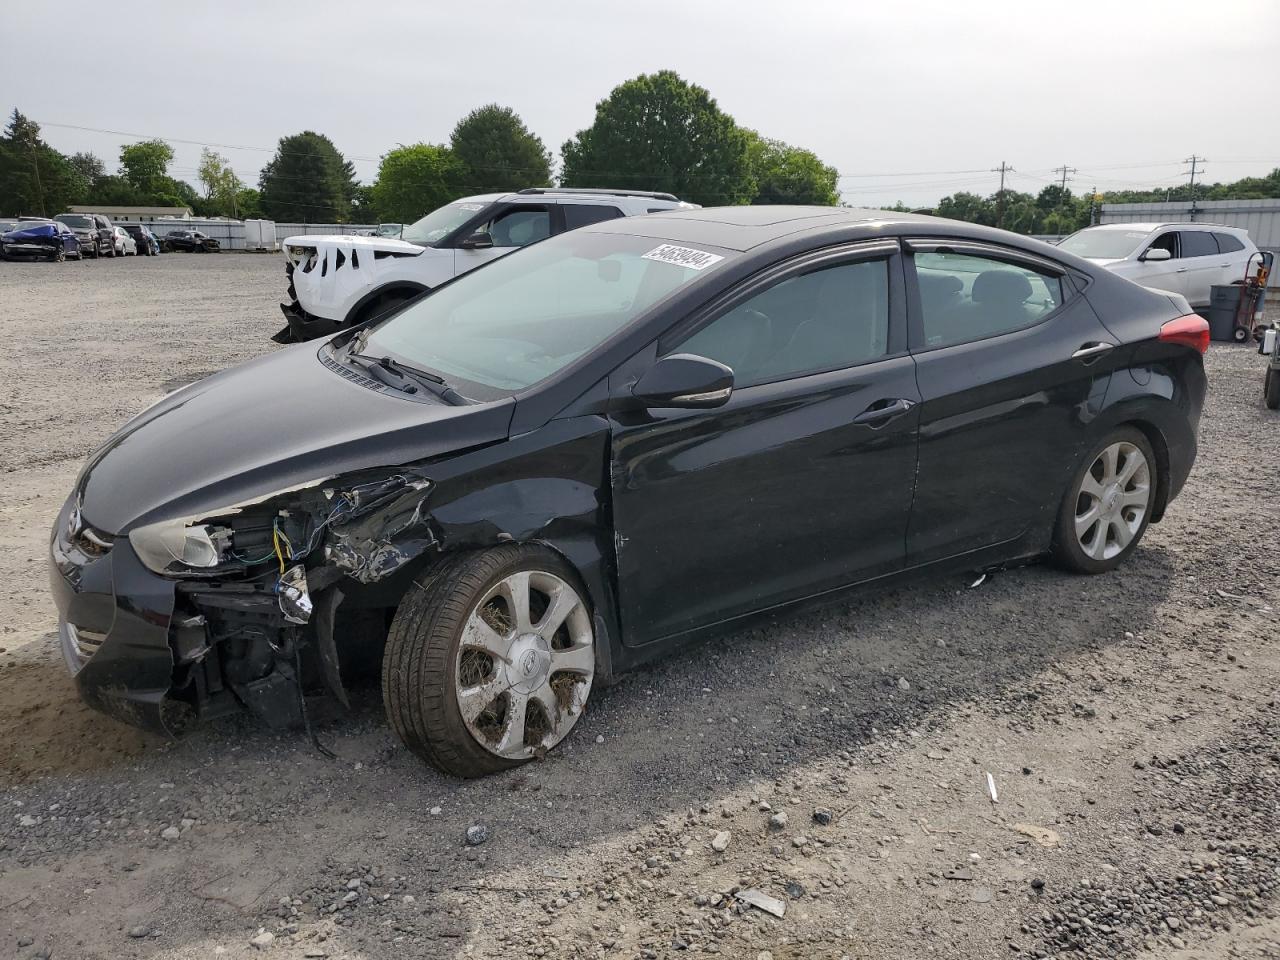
[(28, 249), (114, 619), (301, 326)]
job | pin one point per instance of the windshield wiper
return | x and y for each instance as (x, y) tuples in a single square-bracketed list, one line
[(406, 372)]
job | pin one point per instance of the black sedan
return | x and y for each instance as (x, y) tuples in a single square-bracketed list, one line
[(39, 240), (586, 453), (190, 241)]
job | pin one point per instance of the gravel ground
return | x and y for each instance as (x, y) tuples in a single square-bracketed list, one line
[(836, 761)]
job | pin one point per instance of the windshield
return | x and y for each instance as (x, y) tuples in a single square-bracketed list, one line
[(392, 230), (439, 223), (1104, 244), (77, 223), (530, 314)]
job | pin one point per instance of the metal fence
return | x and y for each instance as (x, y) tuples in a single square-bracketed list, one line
[(230, 234)]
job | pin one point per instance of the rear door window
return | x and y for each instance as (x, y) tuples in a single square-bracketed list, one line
[(581, 214), (964, 297), (1227, 243), (1198, 243)]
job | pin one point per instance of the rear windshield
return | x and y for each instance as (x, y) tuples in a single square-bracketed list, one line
[(1104, 244), (75, 221)]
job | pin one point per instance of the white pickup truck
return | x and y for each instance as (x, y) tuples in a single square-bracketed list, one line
[(339, 281)]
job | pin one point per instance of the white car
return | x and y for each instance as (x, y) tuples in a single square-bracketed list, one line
[(125, 245), (1185, 258), (338, 281)]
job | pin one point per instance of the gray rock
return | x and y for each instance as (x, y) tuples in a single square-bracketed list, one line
[(778, 821), (822, 817), (170, 833), (720, 842), (477, 834), (263, 941), (139, 931)]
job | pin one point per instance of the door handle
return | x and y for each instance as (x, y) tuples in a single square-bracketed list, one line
[(882, 411), (1090, 352), (1181, 270)]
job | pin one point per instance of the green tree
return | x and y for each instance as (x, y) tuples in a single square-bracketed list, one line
[(221, 185), (146, 166), (307, 181), (658, 132), (968, 207), (497, 152), (413, 181), (786, 174), (35, 179)]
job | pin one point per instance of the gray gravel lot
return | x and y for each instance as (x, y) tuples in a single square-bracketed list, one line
[(1129, 721)]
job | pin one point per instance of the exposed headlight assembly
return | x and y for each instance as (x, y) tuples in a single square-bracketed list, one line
[(177, 546)]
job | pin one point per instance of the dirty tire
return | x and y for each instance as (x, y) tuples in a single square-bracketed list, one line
[(1271, 388), (1066, 551), (418, 684)]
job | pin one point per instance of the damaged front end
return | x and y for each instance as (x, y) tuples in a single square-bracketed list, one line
[(256, 591)]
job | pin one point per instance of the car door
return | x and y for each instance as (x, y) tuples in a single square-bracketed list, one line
[(802, 481), (1011, 359), (1161, 274), (1233, 257), (511, 227), (1200, 265)]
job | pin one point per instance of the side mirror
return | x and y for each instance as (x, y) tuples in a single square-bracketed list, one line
[(685, 381), (480, 240), (1155, 254)]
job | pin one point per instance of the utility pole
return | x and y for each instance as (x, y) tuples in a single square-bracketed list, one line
[(1093, 199), (35, 166), (1194, 160), (1002, 170), (1064, 170)]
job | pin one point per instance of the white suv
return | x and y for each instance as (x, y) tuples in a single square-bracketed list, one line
[(338, 281), (1185, 258)]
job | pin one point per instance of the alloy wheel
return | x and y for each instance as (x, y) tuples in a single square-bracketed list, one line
[(525, 663), (1112, 501)]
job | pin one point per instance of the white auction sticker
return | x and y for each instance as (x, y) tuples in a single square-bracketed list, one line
[(683, 256), (481, 206)]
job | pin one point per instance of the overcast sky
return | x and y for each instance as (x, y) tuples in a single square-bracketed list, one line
[(909, 100)]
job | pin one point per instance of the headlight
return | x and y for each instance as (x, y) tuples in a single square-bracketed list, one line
[(298, 255), (172, 546)]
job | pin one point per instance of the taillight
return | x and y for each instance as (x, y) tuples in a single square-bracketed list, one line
[(1190, 331)]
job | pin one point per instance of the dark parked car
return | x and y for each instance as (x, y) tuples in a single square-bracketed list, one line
[(94, 231), (39, 240), (190, 241), (148, 244), (586, 453)]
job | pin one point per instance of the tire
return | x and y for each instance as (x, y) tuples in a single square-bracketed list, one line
[(59, 256), (1271, 388), (1239, 334), (427, 667), (1121, 507)]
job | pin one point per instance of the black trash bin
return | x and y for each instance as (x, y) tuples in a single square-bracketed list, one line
[(1224, 303)]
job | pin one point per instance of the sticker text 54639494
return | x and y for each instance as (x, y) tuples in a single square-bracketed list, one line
[(683, 256)]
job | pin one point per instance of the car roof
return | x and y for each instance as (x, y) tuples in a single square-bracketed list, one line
[(1166, 224), (741, 228)]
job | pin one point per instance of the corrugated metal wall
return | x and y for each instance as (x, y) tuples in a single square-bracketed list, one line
[(230, 233), (1260, 217)]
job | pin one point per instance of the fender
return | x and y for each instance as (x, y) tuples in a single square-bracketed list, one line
[(414, 290)]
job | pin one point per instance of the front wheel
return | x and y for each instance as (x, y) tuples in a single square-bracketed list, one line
[(489, 660), (1271, 388), (1108, 507)]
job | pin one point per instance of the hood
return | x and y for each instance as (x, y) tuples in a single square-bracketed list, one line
[(346, 244), (32, 232), (280, 421)]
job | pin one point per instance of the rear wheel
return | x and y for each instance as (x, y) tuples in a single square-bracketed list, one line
[(1108, 507), (1271, 388), (382, 305), (489, 660)]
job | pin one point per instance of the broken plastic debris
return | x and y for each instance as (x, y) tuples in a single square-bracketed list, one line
[(1041, 835), (978, 582), (762, 901), (991, 788), (960, 873), (295, 598)]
